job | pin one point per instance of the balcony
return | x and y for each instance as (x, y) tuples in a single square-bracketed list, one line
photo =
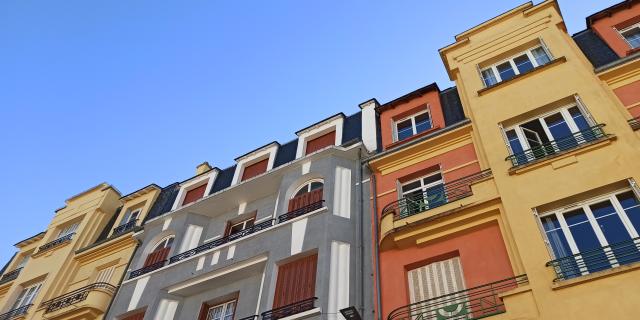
[(635, 123), (600, 259), (10, 276), (558, 147), (301, 211), (15, 313), (56, 243), (449, 192), (475, 303), (124, 227), (290, 310), (147, 269), (250, 318), (96, 296)]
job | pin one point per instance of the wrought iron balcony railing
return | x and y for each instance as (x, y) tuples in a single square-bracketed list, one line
[(125, 227), (56, 242), (249, 318), (435, 197), (478, 302), (289, 310), (218, 242), (635, 123), (76, 296), (15, 312), (604, 258), (10, 276), (301, 211), (551, 148), (147, 269)]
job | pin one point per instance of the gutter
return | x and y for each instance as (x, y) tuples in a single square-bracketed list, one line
[(618, 62)]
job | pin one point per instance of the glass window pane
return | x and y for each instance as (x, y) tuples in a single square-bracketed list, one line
[(560, 130), (609, 222), (523, 63), (423, 122), (432, 179), (631, 207), (405, 129), (505, 70), (633, 37), (488, 77), (410, 186), (578, 118), (215, 313), (316, 185), (592, 255), (540, 55)]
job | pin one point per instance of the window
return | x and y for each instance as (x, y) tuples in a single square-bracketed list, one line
[(309, 193), (518, 64), (438, 279), (22, 263), (556, 131), (255, 169), (105, 274), (321, 142), (423, 193), (160, 252), (587, 227), (296, 281), (234, 228), (632, 35), (69, 229), (194, 194), (412, 125), (26, 296), (223, 311), (131, 215)]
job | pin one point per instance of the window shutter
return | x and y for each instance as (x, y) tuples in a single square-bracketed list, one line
[(323, 141), (435, 279), (194, 194), (255, 169), (137, 316), (296, 281), (104, 275), (585, 112), (304, 200), (204, 310), (157, 256)]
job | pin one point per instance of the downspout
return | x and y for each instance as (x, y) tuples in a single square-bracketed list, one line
[(360, 237), (376, 242)]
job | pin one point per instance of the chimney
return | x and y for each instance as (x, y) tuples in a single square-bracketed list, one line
[(202, 168), (369, 130)]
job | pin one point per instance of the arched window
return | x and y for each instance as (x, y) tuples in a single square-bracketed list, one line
[(160, 252), (309, 194)]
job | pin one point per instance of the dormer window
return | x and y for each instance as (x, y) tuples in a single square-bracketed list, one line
[(255, 169), (194, 194), (195, 188), (321, 142), (67, 230), (518, 64), (632, 35), (131, 215), (321, 135), (255, 163), (412, 125)]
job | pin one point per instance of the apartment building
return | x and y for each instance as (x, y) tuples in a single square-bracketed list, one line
[(281, 234)]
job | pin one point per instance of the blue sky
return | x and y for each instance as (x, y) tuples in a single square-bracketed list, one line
[(134, 92)]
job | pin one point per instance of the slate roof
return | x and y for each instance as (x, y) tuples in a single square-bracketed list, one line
[(451, 106), (164, 202), (597, 51)]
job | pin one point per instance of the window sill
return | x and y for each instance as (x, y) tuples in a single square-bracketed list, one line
[(522, 75), (594, 276), (553, 159), (413, 137)]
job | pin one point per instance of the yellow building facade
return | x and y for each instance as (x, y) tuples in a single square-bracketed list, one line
[(564, 160), (72, 270)]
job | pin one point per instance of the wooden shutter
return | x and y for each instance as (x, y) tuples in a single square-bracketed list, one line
[(194, 194), (296, 281), (204, 310), (320, 142), (255, 169), (304, 200), (435, 279), (157, 256), (137, 316)]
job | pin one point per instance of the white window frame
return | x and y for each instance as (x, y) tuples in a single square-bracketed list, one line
[(23, 261), (335, 123), (584, 205), (224, 307), (413, 123), (164, 241), (208, 179), (422, 187), (67, 230), (528, 52), (307, 185), (637, 25), (564, 111), (26, 297), (267, 152), (129, 214)]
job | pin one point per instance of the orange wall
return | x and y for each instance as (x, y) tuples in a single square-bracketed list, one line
[(401, 110), (629, 95), (604, 27), (482, 254)]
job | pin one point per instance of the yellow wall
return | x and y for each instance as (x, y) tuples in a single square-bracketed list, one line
[(614, 295)]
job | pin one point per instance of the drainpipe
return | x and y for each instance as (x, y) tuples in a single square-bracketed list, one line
[(360, 230), (376, 239)]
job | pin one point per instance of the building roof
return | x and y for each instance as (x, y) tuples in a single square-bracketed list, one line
[(164, 202), (411, 95), (451, 106), (594, 48), (30, 240), (606, 12)]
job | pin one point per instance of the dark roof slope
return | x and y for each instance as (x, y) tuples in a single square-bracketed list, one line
[(609, 11), (352, 129), (451, 106), (105, 232), (597, 51), (224, 179), (286, 153), (164, 202), (6, 265)]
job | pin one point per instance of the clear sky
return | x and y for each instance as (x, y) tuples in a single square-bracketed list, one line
[(134, 92)]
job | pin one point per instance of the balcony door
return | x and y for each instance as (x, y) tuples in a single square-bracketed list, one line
[(160, 252), (423, 194), (308, 194)]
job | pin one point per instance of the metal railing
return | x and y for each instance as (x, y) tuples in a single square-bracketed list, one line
[(558, 146), (635, 123), (590, 261), (250, 318), (147, 269), (15, 312), (10, 276), (125, 227), (218, 242), (300, 211), (291, 309), (76, 296), (56, 242), (478, 302), (435, 197)]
